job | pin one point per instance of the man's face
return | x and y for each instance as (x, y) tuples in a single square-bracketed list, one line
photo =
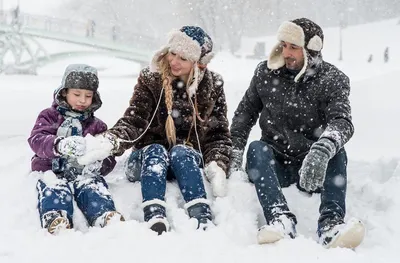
[(293, 55)]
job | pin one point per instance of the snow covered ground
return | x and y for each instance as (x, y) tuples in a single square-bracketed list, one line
[(373, 153)]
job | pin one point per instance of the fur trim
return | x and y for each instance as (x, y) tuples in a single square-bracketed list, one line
[(315, 43), (157, 58), (154, 202), (303, 70), (275, 59), (184, 45), (193, 87), (292, 33), (196, 201), (206, 58)]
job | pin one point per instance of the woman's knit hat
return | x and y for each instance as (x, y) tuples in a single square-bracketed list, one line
[(192, 43)]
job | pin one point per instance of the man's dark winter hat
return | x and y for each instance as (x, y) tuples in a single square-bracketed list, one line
[(303, 33), (192, 42)]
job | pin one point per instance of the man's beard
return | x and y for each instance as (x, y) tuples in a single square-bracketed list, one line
[(293, 64)]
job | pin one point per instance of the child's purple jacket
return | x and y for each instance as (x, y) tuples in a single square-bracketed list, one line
[(43, 137)]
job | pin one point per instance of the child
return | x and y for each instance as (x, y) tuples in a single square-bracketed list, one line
[(57, 140)]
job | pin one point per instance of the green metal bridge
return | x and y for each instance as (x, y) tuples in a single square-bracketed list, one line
[(22, 53)]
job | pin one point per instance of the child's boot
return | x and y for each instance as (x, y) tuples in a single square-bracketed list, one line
[(55, 221), (108, 218)]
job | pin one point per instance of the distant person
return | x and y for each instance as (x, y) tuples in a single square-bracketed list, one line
[(386, 55), (90, 28), (57, 140), (176, 125), (16, 13), (115, 32), (16, 20), (305, 119)]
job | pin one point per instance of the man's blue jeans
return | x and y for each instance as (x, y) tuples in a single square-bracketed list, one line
[(269, 175)]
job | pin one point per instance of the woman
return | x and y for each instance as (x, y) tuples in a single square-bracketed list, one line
[(177, 123)]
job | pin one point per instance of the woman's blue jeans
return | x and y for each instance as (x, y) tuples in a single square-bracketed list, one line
[(153, 165)]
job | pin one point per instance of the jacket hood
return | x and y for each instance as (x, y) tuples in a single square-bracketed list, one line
[(79, 76)]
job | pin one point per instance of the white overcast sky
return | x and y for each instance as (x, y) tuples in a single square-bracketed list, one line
[(43, 7)]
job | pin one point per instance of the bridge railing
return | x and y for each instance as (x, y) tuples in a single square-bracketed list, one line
[(84, 29)]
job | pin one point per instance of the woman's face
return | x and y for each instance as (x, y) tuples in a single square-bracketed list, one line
[(180, 66)]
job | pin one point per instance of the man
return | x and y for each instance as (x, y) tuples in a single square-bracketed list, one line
[(305, 121)]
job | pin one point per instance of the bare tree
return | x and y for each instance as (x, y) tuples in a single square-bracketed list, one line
[(227, 21)]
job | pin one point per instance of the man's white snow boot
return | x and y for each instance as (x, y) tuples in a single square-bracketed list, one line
[(345, 235), (281, 227)]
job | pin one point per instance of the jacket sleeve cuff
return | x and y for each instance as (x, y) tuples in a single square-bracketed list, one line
[(107, 165), (55, 146), (334, 136)]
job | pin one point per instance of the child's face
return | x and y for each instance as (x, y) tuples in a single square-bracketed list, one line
[(79, 99)]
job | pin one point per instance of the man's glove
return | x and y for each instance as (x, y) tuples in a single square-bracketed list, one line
[(73, 146), (313, 170), (236, 161), (217, 177)]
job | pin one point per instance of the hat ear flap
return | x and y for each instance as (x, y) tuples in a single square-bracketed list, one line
[(158, 56), (206, 58), (315, 43), (304, 68), (275, 59)]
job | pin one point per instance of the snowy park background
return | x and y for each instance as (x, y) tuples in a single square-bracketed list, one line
[(373, 180)]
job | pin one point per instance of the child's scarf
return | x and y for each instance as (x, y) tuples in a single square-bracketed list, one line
[(65, 166)]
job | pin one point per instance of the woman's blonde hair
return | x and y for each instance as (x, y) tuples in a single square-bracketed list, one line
[(167, 79)]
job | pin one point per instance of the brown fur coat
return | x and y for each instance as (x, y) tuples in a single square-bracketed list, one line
[(213, 132)]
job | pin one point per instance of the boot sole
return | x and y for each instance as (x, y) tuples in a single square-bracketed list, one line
[(351, 238), (58, 224), (111, 216), (267, 237), (159, 227)]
